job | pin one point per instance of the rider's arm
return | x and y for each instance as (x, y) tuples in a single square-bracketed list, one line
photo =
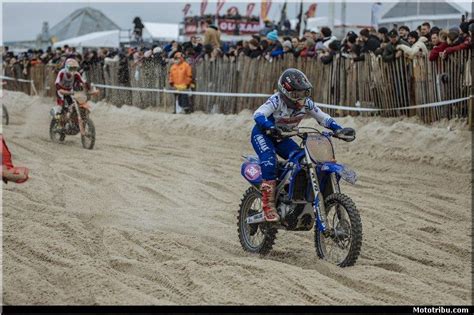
[(59, 87), (78, 78), (264, 111), (322, 118)]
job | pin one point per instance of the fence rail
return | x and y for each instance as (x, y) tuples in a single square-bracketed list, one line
[(370, 83)]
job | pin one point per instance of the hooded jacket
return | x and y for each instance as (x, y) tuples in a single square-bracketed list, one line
[(411, 52), (212, 36), (434, 53)]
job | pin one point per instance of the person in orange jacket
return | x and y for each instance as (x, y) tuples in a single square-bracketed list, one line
[(9, 172), (181, 74), (181, 77)]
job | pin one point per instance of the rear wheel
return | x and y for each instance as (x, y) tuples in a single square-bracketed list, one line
[(88, 139), (5, 116), (342, 245), (56, 132), (259, 237)]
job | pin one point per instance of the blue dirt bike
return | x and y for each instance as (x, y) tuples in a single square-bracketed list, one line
[(307, 195)]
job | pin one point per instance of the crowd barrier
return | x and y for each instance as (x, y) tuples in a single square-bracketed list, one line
[(389, 88)]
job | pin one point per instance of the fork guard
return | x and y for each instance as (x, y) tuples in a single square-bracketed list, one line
[(340, 169)]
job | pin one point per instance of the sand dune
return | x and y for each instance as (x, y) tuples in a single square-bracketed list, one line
[(149, 215)]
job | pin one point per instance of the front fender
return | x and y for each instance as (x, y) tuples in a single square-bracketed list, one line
[(342, 170)]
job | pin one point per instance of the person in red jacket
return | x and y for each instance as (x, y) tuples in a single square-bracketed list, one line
[(9, 172), (439, 40), (457, 41)]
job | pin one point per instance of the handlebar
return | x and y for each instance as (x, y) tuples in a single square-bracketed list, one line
[(346, 134), (301, 131)]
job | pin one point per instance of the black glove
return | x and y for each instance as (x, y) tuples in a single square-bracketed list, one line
[(274, 132), (346, 134)]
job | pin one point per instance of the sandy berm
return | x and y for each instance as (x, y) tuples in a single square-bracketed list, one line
[(149, 215)]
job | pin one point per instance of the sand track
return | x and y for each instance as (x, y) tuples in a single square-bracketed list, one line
[(149, 216)]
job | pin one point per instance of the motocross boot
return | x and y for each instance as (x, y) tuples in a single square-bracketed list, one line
[(10, 172), (268, 199)]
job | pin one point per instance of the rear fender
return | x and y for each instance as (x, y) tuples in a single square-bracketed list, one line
[(340, 169)]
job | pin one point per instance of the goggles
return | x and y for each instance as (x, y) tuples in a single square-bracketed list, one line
[(72, 69), (299, 95)]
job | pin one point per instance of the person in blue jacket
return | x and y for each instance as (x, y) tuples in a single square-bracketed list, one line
[(283, 110)]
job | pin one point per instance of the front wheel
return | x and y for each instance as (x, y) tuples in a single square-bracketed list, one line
[(342, 244), (88, 139), (56, 132), (255, 238)]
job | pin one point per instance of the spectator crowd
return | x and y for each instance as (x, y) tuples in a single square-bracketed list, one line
[(315, 44)]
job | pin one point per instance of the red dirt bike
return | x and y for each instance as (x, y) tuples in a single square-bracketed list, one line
[(72, 120)]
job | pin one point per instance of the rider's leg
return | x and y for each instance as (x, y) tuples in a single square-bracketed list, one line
[(285, 147), (57, 109), (263, 146)]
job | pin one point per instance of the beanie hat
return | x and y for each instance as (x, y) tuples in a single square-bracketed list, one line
[(273, 36), (383, 30), (393, 33), (287, 44)]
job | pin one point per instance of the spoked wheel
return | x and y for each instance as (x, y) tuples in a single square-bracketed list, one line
[(5, 116), (56, 132), (88, 140), (344, 240), (254, 238)]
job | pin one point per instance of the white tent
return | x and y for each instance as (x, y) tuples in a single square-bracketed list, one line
[(315, 23), (443, 14), (162, 31), (97, 39)]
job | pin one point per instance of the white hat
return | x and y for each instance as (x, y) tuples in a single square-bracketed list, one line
[(147, 53), (157, 50)]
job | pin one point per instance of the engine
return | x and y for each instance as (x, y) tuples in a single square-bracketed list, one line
[(297, 216)]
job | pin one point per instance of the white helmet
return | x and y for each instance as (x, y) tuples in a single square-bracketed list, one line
[(71, 66)]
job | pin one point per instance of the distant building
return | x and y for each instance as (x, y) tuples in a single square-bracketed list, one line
[(81, 22), (413, 13)]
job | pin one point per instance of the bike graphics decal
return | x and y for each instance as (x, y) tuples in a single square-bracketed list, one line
[(252, 171)]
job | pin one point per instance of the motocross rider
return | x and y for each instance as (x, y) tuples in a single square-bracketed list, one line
[(282, 111), (67, 80)]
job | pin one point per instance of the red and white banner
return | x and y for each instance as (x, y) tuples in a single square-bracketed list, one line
[(245, 27)]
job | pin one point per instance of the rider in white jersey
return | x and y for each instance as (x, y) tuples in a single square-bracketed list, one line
[(284, 109)]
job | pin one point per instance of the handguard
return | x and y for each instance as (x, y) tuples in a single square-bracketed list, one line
[(346, 134)]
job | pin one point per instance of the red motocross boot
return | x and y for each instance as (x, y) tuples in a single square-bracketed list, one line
[(268, 200)]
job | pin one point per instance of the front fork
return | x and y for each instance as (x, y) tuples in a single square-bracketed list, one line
[(318, 207), (79, 119)]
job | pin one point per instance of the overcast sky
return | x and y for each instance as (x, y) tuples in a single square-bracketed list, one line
[(23, 21)]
